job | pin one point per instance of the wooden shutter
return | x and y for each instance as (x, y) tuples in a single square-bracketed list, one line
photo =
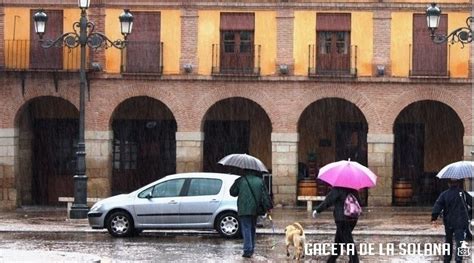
[(237, 21), (143, 49), (429, 59), (50, 58), (333, 22)]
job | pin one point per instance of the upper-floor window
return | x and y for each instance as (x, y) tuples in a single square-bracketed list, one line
[(429, 59), (47, 58), (144, 50), (237, 43), (333, 43)]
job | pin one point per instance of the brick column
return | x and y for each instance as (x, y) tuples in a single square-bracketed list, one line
[(97, 15), (189, 151), (99, 163), (285, 27), (284, 167), (380, 161), (2, 36), (382, 32), (189, 38), (8, 150)]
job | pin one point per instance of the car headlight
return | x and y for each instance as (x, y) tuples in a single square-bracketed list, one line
[(96, 207)]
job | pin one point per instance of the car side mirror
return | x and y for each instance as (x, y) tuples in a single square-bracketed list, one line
[(148, 196)]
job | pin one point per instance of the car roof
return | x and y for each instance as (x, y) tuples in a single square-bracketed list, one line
[(202, 174)]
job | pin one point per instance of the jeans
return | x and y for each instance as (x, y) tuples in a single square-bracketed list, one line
[(459, 235), (344, 235), (247, 228)]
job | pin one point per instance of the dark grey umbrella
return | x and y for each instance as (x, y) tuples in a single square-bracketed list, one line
[(457, 170), (244, 161)]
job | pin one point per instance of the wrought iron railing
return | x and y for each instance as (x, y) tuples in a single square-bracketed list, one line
[(314, 71), (238, 64), (142, 57), (18, 57), (423, 73)]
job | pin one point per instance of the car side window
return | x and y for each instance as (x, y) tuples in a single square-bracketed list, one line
[(204, 186), (169, 188)]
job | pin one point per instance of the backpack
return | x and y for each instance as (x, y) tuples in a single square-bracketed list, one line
[(352, 207)]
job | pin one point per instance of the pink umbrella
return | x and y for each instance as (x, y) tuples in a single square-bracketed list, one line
[(347, 174)]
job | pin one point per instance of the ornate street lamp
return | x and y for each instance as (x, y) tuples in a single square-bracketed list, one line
[(85, 36), (462, 35)]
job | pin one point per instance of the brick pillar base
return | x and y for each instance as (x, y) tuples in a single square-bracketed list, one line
[(380, 161), (284, 167), (8, 186), (189, 151), (99, 163)]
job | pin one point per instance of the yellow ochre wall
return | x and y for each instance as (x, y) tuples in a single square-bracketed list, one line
[(361, 36), (170, 36), (402, 37), (265, 35), (20, 31)]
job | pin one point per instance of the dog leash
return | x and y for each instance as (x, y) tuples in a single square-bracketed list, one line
[(273, 231)]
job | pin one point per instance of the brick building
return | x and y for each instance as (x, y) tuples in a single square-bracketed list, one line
[(295, 83)]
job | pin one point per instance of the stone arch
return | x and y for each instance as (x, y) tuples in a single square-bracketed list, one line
[(143, 144), (444, 96), (428, 136), (45, 164), (235, 125)]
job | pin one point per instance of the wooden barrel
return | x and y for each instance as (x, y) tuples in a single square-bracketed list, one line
[(307, 187), (403, 192)]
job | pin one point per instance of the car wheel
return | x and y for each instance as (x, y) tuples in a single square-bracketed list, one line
[(228, 225), (120, 224)]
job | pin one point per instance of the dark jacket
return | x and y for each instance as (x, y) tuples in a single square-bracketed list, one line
[(336, 198), (246, 203), (451, 204)]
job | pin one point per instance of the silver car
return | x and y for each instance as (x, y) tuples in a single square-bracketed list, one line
[(187, 200)]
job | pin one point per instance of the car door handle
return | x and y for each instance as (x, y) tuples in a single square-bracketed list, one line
[(214, 201), (172, 202)]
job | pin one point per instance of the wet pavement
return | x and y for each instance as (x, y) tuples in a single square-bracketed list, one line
[(47, 233)]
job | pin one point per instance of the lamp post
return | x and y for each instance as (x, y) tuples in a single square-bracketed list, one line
[(85, 36), (462, 35)]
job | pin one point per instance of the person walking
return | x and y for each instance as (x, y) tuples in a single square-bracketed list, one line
[(251, 193), (344, 224), (452, 203)]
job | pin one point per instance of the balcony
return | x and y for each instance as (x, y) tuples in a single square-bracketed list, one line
[(245, 63), (333, 65), (142, 58), (20, 55)]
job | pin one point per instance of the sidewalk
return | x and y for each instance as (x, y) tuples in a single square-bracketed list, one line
[(375, 221), (396, 221)]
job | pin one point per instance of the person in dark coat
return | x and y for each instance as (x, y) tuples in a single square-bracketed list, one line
[(344, 224), (452, 204), (247, 206)]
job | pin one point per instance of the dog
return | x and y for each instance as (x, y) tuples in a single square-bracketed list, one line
[(294, 236)]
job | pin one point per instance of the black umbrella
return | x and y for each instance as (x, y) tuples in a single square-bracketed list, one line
[(243, 161)]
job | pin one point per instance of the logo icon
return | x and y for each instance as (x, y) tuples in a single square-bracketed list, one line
[(464, 250)]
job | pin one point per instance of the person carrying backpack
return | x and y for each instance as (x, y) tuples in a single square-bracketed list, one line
[(345, 221)]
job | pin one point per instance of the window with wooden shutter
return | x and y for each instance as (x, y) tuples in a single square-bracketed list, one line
[(47, 58), (429, 59), (237, 42), (333, 43), (143, 52)]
